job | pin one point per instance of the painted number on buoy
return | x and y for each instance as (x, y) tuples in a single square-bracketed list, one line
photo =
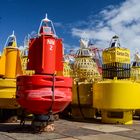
[(51, 43), (51, 47)]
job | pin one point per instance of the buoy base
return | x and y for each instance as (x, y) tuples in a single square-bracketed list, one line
[(117, 117), (43, 123)]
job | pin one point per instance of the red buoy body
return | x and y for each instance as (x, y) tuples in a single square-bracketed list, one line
[(42, 55), (34, 93)]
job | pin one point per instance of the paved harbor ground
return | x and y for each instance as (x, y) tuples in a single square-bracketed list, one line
[(72, 130)]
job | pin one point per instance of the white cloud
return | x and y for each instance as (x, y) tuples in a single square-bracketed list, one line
[(68, 48), (58, 24), (122, 20)]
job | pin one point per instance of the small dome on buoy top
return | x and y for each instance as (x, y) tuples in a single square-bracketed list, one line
[(84, 49), (46, 27), (115, 42), (11, 41)]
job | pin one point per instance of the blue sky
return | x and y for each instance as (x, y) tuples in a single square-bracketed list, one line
[(98, 20)]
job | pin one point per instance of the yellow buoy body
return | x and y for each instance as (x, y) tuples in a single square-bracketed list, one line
[(7, 94), (116, 54), (112, 96), (85, 68), (85, 93), (83, 105), (13, 63), (67, 70), (10, 62)]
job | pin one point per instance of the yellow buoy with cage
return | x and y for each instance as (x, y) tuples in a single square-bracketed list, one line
[(117, 97), (85, 72)]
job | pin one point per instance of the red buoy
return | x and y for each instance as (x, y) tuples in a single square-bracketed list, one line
[(44, 92)]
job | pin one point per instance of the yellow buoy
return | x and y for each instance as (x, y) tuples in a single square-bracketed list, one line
[(85, 72), (10, 64), (117, 97)]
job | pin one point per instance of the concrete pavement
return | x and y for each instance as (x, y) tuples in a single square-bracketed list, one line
[(72, 130)]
